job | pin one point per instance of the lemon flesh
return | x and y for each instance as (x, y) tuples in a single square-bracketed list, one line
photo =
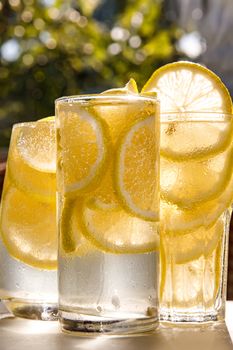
[(189, 87), (72, 239), (185, 87), (28, 229), (188, 247), (28, 159), (83, 146), (190, 183), (36, 145), (118, 232), (136, 173), (129, 88)]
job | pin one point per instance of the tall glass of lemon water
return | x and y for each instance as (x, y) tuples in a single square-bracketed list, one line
[(108, 204), (197, 194), (28, 244)]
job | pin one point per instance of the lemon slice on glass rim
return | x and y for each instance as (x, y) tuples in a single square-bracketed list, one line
[(129, 88), (189, 93)]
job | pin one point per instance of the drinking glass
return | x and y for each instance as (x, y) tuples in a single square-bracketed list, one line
[(108, 205), (196, 198), (28, 243)]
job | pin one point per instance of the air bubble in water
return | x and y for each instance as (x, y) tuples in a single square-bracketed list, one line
[(99, 308), (116, 301)]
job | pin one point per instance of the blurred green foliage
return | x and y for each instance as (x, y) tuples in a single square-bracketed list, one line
[(71, 47)]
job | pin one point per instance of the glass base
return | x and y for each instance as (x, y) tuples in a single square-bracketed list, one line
[(81, 324), (189, 317), (32, 310)]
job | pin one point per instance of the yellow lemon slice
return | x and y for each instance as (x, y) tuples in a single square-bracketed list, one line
[(120, 107), (202, 241), (36, 145), (186, 138), (118, 232), (186, 281), (73, 242), (28, 229), (23, 166), (136, 172), (190, 183), (104, 197), (129, 88), (185, 87), (181, 221), (83, 148), (51, 118)]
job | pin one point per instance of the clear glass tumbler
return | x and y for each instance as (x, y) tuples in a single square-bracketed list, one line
[(108, 204), (196, 198), (28, 240)]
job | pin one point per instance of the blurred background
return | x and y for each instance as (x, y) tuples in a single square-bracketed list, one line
[(51, 48)]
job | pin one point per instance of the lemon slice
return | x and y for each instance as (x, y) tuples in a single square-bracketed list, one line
[(72, 239), (181, 221), (104, 197), (28, 229), (137, 175), (51, 118), (39, 184), (190, 183), (83, 148), (185, 87), (118, 232), (129, 88), (124, 111), (185, 287), (36, 145), (188, 138), (189, 247)]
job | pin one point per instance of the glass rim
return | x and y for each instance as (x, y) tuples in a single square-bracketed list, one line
[(31, 123), (106, 97), (195, 113)]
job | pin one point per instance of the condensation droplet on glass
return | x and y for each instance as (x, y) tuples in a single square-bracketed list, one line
[(116, 301), (99, 308)]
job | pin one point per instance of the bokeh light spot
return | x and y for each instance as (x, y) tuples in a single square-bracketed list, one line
[(14, 3), (119, 34), (19, 31), (114, 49), (137, 19), (135, 41), (88, 48), (28, 59), (42, 60), (191, 44), (26, 16), (10, 50), (39, 23), (51, 44), (53, 13)]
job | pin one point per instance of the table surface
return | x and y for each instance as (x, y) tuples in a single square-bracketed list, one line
[(19, 334)]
